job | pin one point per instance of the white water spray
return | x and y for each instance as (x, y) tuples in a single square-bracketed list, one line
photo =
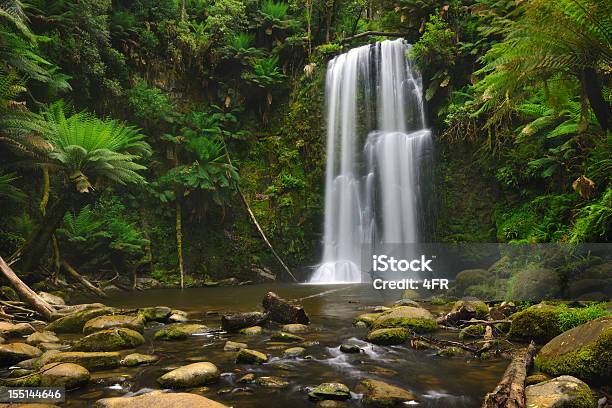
[(376, 145)]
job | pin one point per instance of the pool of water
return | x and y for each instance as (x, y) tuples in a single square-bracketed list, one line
[(437, 381)]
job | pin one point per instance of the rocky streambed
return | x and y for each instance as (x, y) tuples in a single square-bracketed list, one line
[(342, 346)]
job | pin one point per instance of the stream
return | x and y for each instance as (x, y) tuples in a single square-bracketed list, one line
[(437, 381)]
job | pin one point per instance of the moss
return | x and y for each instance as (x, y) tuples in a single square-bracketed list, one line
[(74, 322), (418, 325), (247, 356), (479, 309), (330, 391), (590, 363), (539, 323), (31, 380), (156, 313), (450, 352), (91, 361), (109, 340), (388, 336), (286, 337), (472, 331), (367, 318)]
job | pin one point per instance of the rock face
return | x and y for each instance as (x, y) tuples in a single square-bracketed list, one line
[(69, 375), (248, 356), (74, 322), (15, 352), (330, 391), (388, 337), (415, 318), (192, 375), (584, 351), (179, 331), (236, 321), (114, 321), (539, 323), (156, 313), (91, 361), (380, 394), (109, 340), (283, 312), (8, 330), (136, 359), (564, 391), (159, 399)]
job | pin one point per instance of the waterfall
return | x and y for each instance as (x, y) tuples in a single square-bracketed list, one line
[(377, 146)]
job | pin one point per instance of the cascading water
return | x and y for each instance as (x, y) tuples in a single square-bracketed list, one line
[(377, 145)]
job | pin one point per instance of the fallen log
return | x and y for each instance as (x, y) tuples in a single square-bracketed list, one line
[(369, 33), (237, 321), (25, 293), (82, 280), (280, 311), (510, 391)]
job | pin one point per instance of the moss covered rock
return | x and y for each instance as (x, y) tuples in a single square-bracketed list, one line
[(73, 323), (89, 360), (155, 313), (159, 399), (367, 318), (564, 391), (472, 331), (248, 356), (251, 331), (192, 375), (470, 277), (539, 323), (470, 308), (451, 351), (15, 352), (293, 352), (388, 337), (271, 382), (415, 318), (67, 375), (114, 321), (286, 337), (110, 340), (136, 359), (535, 284), (330, 391), (8, 330), (294, 328), (179, 331), (380, 394), (584, 352)]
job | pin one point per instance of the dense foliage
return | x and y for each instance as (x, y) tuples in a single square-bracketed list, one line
[(126, 126)]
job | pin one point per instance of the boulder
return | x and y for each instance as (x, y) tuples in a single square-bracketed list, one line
[(535, 284), (159, 399), (136, 359), (450, 351), (67, 375), (251, 331), (380, 394), (536, 379), (178, 316), (114, 321), (564, 391), (331, 404), (466, 309), (110, 340), (16, 352), (180, 331), (294, 328), (248, 356), (539, 323), (236, 321), (271, 382), (147, 283), (584, 351), (388, 337), (367, 318), (90, 360), (41, 337), (74, 322), (350, 348), (156, 313), (286, 337), (330, 391), (247, 378), (293, 352), (473, 331), (470, 277), (191, 375), (414, 318), (52, 299), (281, 311), (234, 346), (52, 346), (8, 330)]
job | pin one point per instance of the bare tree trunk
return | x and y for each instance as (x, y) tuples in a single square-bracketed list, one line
[(82, 280), (46, 188), (27, 294), (510, 392), (179, 240)]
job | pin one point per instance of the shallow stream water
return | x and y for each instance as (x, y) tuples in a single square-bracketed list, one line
[(437, 381)]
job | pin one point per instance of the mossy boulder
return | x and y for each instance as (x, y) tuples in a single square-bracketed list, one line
[(450, 351), (114, 321), (330, 391), (74, 322), (502, 268), (136, 359), (294, 328), (15, 352), (155, 313), (292, 352), (581, 287), (159, 399), (234, 346), (251, 331), (110, 340), (472, 331), (470, 277), (28, 380), (90, 360), (286, 337), (536, 379), (388, 337), (67, 375), (179, 331), (271, 382), (367, 318), (192, 375), (414, 318), (564, 391), (380, 394), (539, 323), (248, 356), (584, 352), (535, 284), (470, 308)]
